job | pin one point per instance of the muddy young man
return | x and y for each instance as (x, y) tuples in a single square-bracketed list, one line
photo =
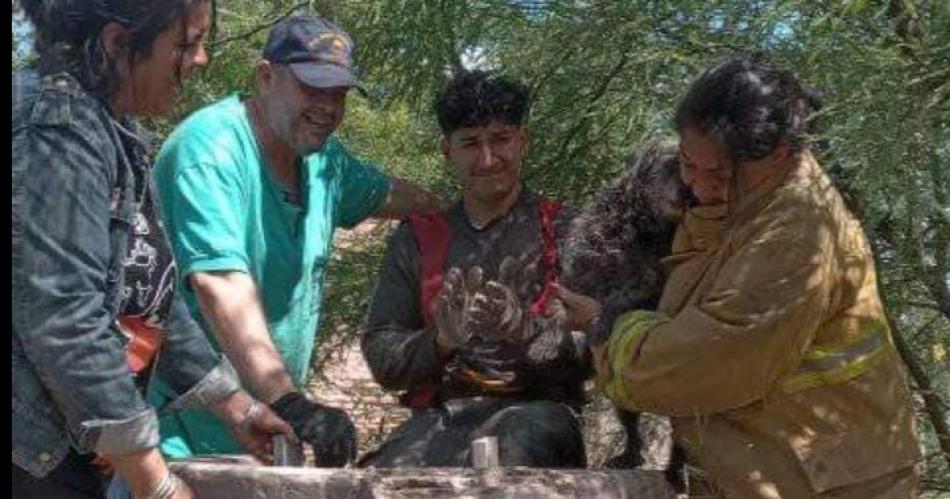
[(457, 321)]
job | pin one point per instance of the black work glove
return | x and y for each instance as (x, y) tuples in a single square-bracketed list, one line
[(328, 429)]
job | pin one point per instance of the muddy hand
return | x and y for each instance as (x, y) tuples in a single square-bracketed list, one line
[(474, 302), (497, 313), (252, 424), (257, 438), (580, 310), (448, 312)]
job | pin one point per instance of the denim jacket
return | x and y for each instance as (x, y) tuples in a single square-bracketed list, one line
[(74, 202)]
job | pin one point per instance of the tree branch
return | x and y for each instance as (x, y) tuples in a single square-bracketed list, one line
[(917, 304), (259, 28), (924, 328), (934, 276), (451, 40), (934, 405), (596, 96)]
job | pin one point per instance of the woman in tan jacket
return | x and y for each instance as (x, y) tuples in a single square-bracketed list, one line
[(770, 349)]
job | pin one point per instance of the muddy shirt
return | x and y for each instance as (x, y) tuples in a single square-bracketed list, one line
[(400, 349)]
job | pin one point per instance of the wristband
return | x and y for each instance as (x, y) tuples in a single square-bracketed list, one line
[(253, 411), (166, 487)]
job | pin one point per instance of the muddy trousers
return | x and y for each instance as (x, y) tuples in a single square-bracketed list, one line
[(539, 434)]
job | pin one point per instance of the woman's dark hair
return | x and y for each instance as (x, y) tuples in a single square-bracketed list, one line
[(475, 98), (748, 106), (67, 34)]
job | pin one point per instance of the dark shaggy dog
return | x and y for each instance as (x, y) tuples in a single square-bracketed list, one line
[(613, 252), (615, 244)]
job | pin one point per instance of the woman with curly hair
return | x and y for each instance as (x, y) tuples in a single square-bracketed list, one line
[(95, 309), (770, 350)]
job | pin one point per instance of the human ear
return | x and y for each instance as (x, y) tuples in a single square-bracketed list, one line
[(266, 73), (113, 38), (445, 147), (525, 141)]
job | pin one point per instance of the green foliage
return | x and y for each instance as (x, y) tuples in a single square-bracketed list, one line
[(397, 139), (351, 274), (606, 74)]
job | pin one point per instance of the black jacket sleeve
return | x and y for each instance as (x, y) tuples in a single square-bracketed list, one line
[(398, 348)]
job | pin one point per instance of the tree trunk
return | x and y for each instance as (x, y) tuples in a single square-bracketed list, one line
[(934, 406), (907, 29)]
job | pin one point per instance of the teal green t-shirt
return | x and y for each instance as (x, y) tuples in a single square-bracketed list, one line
[(224, 211)]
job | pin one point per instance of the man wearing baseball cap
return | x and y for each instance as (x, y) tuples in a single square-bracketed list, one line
[(318, 52), (252, 189)]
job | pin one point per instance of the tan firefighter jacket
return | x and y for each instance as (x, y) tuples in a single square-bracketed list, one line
[(771, 351)]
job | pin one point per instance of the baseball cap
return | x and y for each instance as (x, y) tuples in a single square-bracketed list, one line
[(319, 52)]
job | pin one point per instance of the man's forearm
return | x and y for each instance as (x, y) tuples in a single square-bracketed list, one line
[(230, 304), (233, 409), (406, 198), (399, 358), (141, 470)]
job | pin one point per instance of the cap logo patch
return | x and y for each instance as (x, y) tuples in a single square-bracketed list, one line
[(332, 46)]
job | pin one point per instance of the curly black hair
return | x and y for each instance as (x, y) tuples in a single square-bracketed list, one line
[(475, 98), (67, 34), (748, 106)]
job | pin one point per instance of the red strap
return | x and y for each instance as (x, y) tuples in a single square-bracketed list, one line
[(548, 210), (433, 235), (421, 396)]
